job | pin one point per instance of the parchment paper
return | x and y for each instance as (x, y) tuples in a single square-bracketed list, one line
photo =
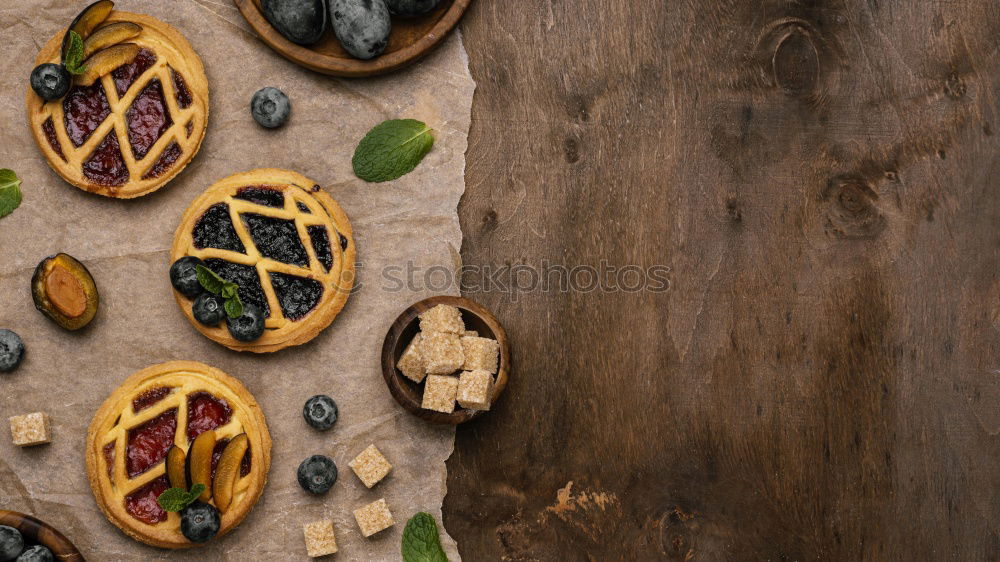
[(125, 246)]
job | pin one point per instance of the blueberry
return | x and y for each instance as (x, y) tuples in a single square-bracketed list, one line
[(37, 553), (184, 277), (11, 352), (208, 310), (300, 21), (362, 26), (411, 8), (316, 474), (270, 107), (320, 412), (249, 326), (50, 81), (11, 543), (200, 522)]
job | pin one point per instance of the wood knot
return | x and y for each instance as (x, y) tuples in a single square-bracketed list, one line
[(954, 87), (851, 210), (795, 62), (571, 150), (734, 210), (676, 534)]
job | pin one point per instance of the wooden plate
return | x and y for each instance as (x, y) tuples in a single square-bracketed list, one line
[(39, 532), (407, 392), (411, 39)]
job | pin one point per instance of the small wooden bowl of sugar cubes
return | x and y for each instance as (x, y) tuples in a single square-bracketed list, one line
[(446, 359)]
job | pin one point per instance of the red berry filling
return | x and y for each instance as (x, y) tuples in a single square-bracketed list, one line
[(106, 165), (142, 504), (126, 74), (206, 412), (150, 397), (109, 459), (147, 119), (184, 98), (84, 109), (170, 155), (49, 128), (148, 443)]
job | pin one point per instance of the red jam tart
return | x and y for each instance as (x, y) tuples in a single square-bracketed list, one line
[(143, 438), (134, 128)]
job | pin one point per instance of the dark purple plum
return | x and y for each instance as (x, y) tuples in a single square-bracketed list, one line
[(361, 26)]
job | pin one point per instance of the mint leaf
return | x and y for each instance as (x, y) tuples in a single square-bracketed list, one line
[(74, 54), (234, 306), (229, 290), (210, 280), (392, 149), (421, 542), (10, 192), (176, 499)]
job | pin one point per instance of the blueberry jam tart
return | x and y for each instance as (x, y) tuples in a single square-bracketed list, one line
[(167, 429), (275, 248), (118, 102)]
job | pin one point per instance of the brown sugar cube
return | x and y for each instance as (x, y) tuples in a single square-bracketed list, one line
[(442, 353), (440, 393), (471, 334), (442, 318), (370, 466), (374, 517), (475, 389), (30, 429), (411, 362), (480, 354), (319, 538)]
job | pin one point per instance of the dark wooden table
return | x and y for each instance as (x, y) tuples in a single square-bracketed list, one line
[(821, 380)]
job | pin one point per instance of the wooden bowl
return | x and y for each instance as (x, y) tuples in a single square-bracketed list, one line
[(409, 393), (39, 532), (411, 39)]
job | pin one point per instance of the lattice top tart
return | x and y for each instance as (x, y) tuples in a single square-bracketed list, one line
[(286, 244), (128, 131), (171, 425)]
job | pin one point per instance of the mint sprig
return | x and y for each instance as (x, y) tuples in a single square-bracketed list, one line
[(216, 285), (176, 499), (392, 149), (421, 542), (10, 192), (74, 54)]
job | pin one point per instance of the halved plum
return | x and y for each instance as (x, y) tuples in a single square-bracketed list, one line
[(65, 292)]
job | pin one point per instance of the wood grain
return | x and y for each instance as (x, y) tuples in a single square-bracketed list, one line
[(820, 381)]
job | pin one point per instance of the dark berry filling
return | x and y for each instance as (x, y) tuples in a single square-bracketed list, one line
[(49, 128), (277, 239), (246, 277), (262, 196), (106, 165), (297, 295), (189, 128), (215, 230), (126, 74), (84, 109), (321, 244), (150, 397), (147, 119), (184, 98), (148, 443), (109, 459), (302, 207), (343, 241), (142, 503), (206, 412), (170, 155)]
